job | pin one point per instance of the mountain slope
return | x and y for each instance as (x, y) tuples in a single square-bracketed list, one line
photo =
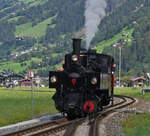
[(135, 58), (42, 30)]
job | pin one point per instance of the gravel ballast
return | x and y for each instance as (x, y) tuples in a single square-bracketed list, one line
[(111, 125)]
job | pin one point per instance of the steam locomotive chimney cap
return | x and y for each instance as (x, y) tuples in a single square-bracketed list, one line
[(76, 41), (76, 45)]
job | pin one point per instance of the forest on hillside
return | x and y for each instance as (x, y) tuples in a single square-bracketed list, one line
[(135, 57), (66, 17)]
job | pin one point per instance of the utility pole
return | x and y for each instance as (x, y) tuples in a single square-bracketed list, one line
[(148, 75), (32, 97), (119, 46), (120, 67), (31, 76)]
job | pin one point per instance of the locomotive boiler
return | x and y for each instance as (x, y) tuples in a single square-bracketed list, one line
[(85, 85)]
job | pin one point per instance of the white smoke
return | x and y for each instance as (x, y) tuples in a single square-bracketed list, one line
[(94, 13)]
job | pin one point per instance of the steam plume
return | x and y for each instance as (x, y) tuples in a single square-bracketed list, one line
[(94, 13)]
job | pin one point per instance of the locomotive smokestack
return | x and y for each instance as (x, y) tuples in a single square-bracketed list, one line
[(76, 46)]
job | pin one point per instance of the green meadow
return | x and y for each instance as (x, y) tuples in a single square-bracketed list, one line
[(36, 31), (34, 2), (14, 19), (16, 67), (15, 105)]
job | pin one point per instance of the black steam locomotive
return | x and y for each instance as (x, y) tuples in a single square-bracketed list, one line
[(86, 83)]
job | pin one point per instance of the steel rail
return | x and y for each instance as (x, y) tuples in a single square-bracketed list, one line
[(36, 127), (67, 125), (73, 126), (119, 103), (50, 130)]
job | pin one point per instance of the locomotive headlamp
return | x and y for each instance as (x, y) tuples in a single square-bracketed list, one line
[(94, 80), (74, 58), (53, 79)]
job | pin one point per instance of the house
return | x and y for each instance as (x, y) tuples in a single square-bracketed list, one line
[(138, 81), (25, 82)]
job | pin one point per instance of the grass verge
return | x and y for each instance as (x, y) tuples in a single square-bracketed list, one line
[(137, 125), (135, 92)]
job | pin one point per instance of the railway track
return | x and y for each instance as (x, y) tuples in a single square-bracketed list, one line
[(127, 101), (50, 124), (93, 124), (70, 127)]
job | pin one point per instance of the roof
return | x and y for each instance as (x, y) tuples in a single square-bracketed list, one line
[(26, 82), (22, 80), (137, 78)]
